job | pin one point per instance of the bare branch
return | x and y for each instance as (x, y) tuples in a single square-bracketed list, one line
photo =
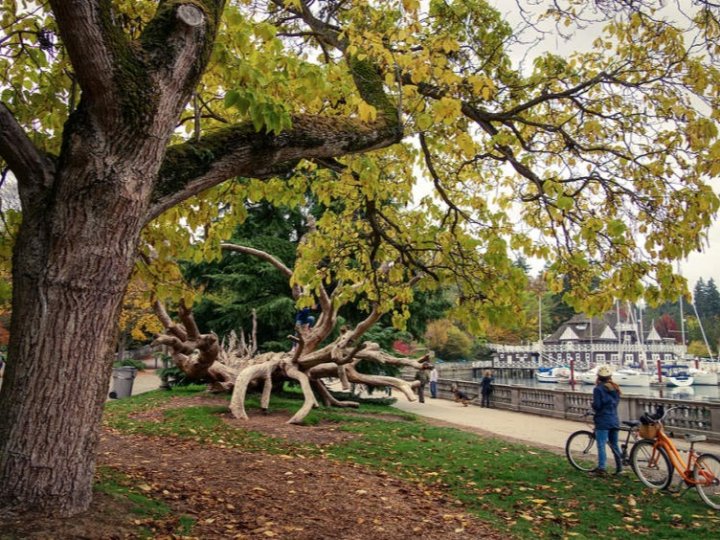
[(310, 401), (261, 255), (188, 321)]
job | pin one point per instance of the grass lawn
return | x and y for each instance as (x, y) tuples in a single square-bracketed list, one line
[(524, 490)]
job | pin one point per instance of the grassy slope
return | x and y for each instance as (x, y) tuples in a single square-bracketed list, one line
[(517, 488)]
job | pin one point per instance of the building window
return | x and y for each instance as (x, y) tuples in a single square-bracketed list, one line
[(614, 358), (600, 357)]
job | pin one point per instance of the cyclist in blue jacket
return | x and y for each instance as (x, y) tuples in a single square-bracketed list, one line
[(606, 396)]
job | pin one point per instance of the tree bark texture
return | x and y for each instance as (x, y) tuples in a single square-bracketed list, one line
[(71, 266)]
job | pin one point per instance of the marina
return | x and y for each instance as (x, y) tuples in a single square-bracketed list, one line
[(702, 393)]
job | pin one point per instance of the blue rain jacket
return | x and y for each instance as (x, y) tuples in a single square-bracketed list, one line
[(605, 404)]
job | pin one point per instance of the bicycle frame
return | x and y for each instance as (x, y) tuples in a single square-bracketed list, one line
[(685, 470), (655, 460)]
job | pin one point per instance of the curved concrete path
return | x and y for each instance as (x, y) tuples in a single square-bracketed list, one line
[(532, 429)]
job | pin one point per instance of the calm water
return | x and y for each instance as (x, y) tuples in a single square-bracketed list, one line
[(691, 393)]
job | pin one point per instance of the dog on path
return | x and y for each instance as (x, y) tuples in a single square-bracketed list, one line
[(460, 396)]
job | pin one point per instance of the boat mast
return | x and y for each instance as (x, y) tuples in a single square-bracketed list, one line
[(702, 331), (640, 335), (540, 338), (682, 316), (619, 332), (682, 324)]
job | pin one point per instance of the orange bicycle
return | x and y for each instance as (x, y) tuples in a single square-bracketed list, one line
[(655, 458)]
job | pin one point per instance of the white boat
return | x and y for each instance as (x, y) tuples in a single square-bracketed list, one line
[(704, 378), (674, 376), (587, 377), (552, 375), (631, 377), (678, 381)]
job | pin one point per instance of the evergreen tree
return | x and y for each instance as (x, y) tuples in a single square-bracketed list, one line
[(700, 297), (237, 284), (712, 300)]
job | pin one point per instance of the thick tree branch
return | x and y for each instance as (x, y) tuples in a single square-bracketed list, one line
[(309, 402), (33, 169), (170, 326), (241, 150), (195, 166), (94, 44), (186, 316), (178, 41)]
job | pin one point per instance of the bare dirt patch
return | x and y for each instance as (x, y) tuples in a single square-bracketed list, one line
[(233, 494), (239, 495), (229, 493), (108, 518)]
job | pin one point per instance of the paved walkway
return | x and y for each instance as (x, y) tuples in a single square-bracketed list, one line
[(145, 381), (532, 429)]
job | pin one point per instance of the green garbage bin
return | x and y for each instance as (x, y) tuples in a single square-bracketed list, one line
[(123, 378)]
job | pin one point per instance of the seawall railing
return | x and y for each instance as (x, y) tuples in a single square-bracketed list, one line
[(696, 417)]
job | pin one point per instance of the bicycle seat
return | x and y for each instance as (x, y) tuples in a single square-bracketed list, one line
[(694, 438), (631, 423)]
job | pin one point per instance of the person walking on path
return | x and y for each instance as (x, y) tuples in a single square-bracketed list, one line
[(423, 376), (486, 389), (434, 376), (606, 396)]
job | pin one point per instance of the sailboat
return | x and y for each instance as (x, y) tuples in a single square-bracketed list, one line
[(674, 375), (703, 378), (552, 375)]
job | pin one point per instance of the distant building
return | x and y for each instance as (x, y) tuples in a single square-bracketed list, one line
[(593, 341)]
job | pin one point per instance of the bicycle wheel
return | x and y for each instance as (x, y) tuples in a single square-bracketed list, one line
[(581, 450), (651, 465), (707, 475)]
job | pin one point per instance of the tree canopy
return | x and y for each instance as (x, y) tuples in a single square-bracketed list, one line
[(598, 161), (139, 131)]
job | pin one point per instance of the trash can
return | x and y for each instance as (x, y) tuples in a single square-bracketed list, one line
[(123, 378)]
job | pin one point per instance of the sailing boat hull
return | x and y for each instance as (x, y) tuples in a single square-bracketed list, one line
[(631, 377), (704, 378), (678, 382)]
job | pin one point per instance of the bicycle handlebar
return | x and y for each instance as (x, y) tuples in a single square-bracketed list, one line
[(660, 414)]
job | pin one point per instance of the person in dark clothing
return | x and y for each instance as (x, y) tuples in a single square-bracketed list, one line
[(606, 396), (303, 318), (423, 375), (486, 389)]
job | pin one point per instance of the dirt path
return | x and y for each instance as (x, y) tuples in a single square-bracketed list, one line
[(231, 494)]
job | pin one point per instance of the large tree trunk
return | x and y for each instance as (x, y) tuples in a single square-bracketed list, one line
[(68, 288)]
